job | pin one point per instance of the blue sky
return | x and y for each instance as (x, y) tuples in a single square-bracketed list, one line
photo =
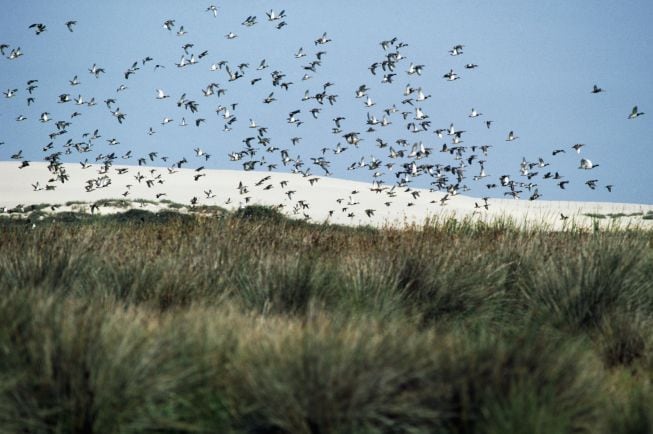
[(537, 64)]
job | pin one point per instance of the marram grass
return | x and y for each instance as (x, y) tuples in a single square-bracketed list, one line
[(251, 323)]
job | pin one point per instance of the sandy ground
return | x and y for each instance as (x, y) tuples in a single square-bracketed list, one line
[(318, 198)]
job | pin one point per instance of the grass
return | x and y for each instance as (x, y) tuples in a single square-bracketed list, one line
[(248, 322), (596, 215), (76, 202), (116, 203)]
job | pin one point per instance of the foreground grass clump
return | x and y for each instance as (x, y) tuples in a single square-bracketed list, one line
[(249, 322)]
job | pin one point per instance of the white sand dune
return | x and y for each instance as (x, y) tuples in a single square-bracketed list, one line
[(319, 198)]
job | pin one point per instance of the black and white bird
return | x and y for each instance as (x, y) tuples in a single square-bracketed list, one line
[(15, 54), (635, 113), (38, 28), (457, 50), (597, 89), (213, 9), (511, 136), (273, 16), (451, 76), (160, 94), (322, 39), (587, 164), (96, 70)]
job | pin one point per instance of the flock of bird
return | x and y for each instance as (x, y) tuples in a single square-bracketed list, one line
[(435, 152)]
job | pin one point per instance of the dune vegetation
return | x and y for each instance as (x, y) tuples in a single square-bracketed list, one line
[(249, 322)]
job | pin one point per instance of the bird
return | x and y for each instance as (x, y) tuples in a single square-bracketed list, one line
[(120, 116), (451, 75), (457, 50), (587, 164), (269, 99), (361, 91), (352, 138), (263, 65), (249, 21), (15, 54), (635, 113), (273, 16), (591, 183), (199, 152), (322, 39), (96, 70), (511, 136), (597, 89), (292, 119), (213, 9), (71, 24), (415, 69), (38, 28)]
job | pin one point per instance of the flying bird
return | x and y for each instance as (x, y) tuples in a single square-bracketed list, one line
[(587, 164), (457, 50), (273, 16), (38, 28), (597, 89), (160, 94), (213, 9), (635, 113), (511, 136)]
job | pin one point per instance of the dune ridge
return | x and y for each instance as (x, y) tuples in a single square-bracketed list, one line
[(320, 199)]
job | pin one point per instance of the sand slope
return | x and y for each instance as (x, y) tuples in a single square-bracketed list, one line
[(318, 198)]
